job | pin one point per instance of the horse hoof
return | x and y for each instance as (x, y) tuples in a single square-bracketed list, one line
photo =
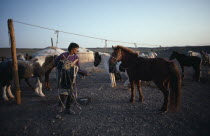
[(37, 93), (42, 95), (50, 89), (131, 100), (141, 100), (163, 110), (113, 86), (12, 97), (5, 98)]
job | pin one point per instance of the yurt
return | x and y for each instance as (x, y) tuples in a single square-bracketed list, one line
[(51, 50), (84, 54)]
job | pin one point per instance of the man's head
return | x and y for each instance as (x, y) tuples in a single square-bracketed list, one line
[(73, 48)]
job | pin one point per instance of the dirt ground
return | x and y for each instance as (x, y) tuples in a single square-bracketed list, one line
[(109, 112)]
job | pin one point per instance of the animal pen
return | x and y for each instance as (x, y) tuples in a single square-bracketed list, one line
[(85, 55), (109, 112)]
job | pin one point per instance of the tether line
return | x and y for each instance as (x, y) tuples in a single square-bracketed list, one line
[(97, 38)]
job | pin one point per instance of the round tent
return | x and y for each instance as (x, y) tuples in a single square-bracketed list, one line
[(51, 50), (84, 55)]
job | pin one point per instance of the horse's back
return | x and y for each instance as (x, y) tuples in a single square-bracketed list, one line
[(25, 69), (191, 61), (152, 68), (149, 68)]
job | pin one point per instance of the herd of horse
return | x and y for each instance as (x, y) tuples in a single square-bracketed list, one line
[(37, 67), (136, 66)]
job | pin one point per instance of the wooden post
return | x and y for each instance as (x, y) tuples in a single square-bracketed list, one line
[(52, 42), (14, 60)]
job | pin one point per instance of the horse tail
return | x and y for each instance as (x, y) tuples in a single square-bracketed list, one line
[(175, 88)]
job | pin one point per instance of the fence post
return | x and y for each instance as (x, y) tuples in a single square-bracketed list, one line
[(52, 42), (14, 60)]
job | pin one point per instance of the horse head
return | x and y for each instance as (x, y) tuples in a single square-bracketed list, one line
[(117, 55), (97, 59), (124, 54), (21, 56), (205, 58)]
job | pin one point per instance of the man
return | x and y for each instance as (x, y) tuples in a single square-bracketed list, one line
[(64, 76)]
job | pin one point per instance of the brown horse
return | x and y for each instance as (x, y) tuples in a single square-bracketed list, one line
[(165, 75)]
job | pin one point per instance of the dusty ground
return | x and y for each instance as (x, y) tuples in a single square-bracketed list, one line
[(109, 112)]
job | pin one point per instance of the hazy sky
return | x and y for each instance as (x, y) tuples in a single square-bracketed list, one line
[(147, 22)]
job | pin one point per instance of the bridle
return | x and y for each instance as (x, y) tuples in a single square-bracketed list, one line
[(115, 57)]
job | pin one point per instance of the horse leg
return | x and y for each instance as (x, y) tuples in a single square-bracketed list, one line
[(40, 88), (37, 87), (119, 77), (132, 91), (165, 92), (111, 75), (4, 95), (114, 79), (27, 81), (197, 73), (126, 82), (47, 79), (182, 67), (141, 98), (10, 92)]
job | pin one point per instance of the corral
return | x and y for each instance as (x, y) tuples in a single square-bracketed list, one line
[(109, 112)]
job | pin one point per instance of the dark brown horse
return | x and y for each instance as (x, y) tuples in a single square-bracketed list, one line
[(164, 73), (188, 61)]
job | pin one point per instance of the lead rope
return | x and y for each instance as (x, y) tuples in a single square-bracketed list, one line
[(71, 92), (59, 81)]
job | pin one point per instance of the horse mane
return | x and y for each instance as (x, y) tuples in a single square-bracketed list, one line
[(126, 49)]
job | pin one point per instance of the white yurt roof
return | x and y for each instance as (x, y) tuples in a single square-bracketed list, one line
[(51, 50), (84, 50), (84, 54)]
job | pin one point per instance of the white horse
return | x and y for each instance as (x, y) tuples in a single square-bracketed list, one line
[(42, 55), (192, 53), (203, 55), (150, 54), (100, 57), (26, 70), (36, 68), (6, 75)]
